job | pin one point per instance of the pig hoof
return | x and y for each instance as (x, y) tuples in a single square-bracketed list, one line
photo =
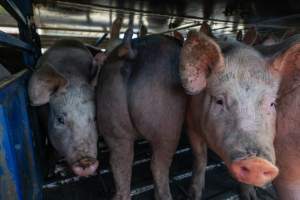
[(248, 192)]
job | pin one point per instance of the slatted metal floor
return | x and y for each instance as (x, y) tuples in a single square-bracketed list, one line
[(62, 185)]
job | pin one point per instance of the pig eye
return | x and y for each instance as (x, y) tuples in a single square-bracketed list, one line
[(60, 120), (220, 102), (273, 104)]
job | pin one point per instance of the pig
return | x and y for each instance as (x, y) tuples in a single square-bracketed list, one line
[(231, 108), (239, 125), (287, 139), (63, 79), (139, 94)]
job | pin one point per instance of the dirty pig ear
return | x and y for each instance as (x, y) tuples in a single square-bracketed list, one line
[(205, 28), (126, 50), (178, 36), (239, 36), (270, 39), (43, 83), (287, 58), (199, 56), (250, 36), (98, 62)]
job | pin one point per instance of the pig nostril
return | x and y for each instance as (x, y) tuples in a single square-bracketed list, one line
[(245, 169), (268, 173)]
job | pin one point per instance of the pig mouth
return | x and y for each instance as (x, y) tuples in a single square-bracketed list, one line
[(85, 166), (253, 170)]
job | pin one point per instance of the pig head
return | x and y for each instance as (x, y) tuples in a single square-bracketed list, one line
[(234, 90), (63, 80)]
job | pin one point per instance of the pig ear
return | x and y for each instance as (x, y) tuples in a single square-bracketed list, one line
[(43, 83), (143, 31), (98, 62), (269, 40), (199, 56), (287, 58), (126, 49), (250, 36), (178, 36), (239, 36), (115, 28), (205, 28)]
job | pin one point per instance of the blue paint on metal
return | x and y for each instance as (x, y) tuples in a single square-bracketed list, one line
[(21, 175), (1, 171), (14, 42), (25, 6)]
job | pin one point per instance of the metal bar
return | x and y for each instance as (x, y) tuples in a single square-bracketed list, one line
[(182, 28), (270, 26), (96, 7), (14, 10), (101, 39), (14, 42), (49, 28), (273, 20), (191, 26)]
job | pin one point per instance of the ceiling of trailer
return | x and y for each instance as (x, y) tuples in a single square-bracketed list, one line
[(88, 20)]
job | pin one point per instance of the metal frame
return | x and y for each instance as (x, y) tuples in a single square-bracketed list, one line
[(14, 42), (20, 172), (28, 39), (20, 177)]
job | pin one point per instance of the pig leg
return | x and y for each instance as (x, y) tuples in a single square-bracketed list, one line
[(200, 153), (162, 155), (247, 192), (121, 158)]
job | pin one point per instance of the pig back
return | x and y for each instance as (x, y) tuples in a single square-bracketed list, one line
[(155, 92), (146, 89)]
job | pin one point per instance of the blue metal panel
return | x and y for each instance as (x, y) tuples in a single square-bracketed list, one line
[(14, 42), (20, 177)]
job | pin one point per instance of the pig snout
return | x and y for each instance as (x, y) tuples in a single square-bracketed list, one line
[(85, 166), (254, 171)]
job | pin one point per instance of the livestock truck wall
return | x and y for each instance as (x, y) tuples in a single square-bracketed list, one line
[(19, 171)]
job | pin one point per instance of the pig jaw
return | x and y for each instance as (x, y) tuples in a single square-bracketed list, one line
[(83, 160), (81, 156)]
